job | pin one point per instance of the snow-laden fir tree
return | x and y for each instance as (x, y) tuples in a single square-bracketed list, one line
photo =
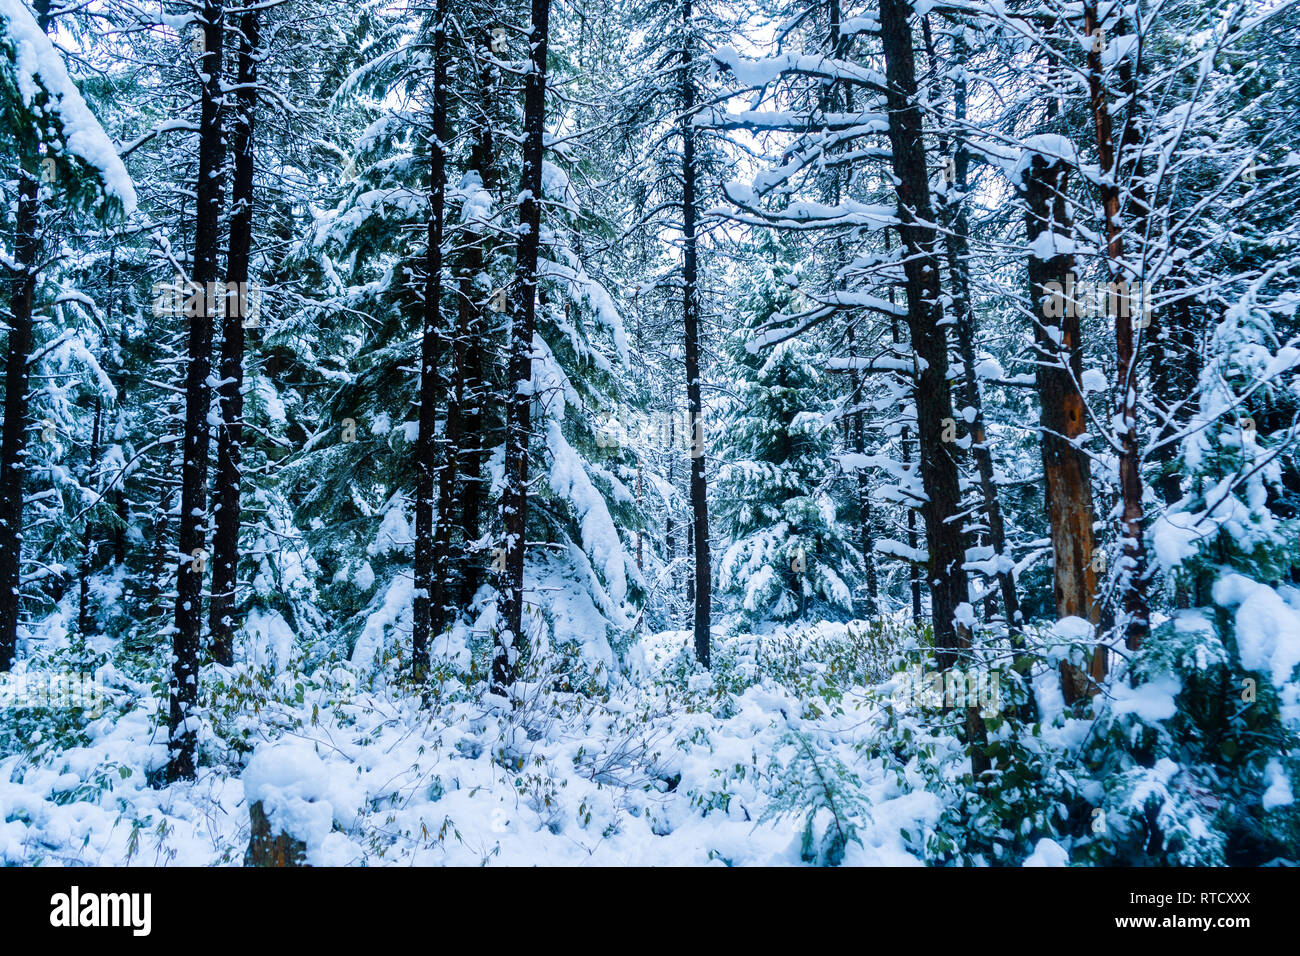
[(788, 554)]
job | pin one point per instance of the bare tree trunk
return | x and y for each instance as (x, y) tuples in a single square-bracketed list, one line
[(191, 557), (957, 246), (857, 431), (670, 527), (160, 562), (905, 453), (945, 541), (14, 454), (509, 644), (120, 506), (471, 330), (13, 449), (432, 544), (854, 429), (925, 314), (1058, 369), (640, 503), (1133, 573), (1175, 368), (230, 393), (89, 549), (88, 529), (691, 320)]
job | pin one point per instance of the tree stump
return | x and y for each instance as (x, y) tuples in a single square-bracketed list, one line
[(267, 849)]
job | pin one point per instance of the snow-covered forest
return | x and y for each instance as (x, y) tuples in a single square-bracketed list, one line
[(642, 432)]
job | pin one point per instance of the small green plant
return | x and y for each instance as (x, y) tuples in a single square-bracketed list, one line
[(825, 792)]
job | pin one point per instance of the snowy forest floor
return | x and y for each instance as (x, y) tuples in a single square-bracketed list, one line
[(775, 756)]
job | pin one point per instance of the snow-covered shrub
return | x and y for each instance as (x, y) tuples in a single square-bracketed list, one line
[(822, 790)]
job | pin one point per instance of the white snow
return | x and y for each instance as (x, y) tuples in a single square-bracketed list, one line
[(68, 122), (1051, 147), (1267, 628), (1279, 792), (1151, 702), (1048, 245), (1094, 380), (270, 639), (1048, 852), (304, 797)]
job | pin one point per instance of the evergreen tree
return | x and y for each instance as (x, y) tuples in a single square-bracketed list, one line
[(790, 556)]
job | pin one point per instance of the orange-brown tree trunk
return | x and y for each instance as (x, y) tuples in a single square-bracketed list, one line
[(1059, 368), (1133, 572)]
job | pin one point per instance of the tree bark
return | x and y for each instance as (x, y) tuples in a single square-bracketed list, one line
[(433, 543), (1133, 572), (691, 321), (925, 315), (905, 454), (88, 529), (949, 589), (266, 848), (857, 432), (1175, 369), (957, 246), (191, 558), (1062, 415), (472, 330), (509, 644), (230, 393), (13, 447), (13, 457)]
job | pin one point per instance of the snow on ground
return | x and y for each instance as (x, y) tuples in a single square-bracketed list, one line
[(673, 766)]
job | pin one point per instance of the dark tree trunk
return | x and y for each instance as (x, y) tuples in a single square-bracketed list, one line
[(691, 320), (1058, 370), (230, 393), (690, 579), (191, 557), (265, 848), (13, 456), (13, 449), (925, 314), (509, 645), (432, 544), (957, 247), (88, 529), (160, 561), (946, 546), (837, 94), (472, 329), (89, 551), (640, 501), (905, 454), (856, 438), (670, 526), (1175, 368), (121, 508)]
